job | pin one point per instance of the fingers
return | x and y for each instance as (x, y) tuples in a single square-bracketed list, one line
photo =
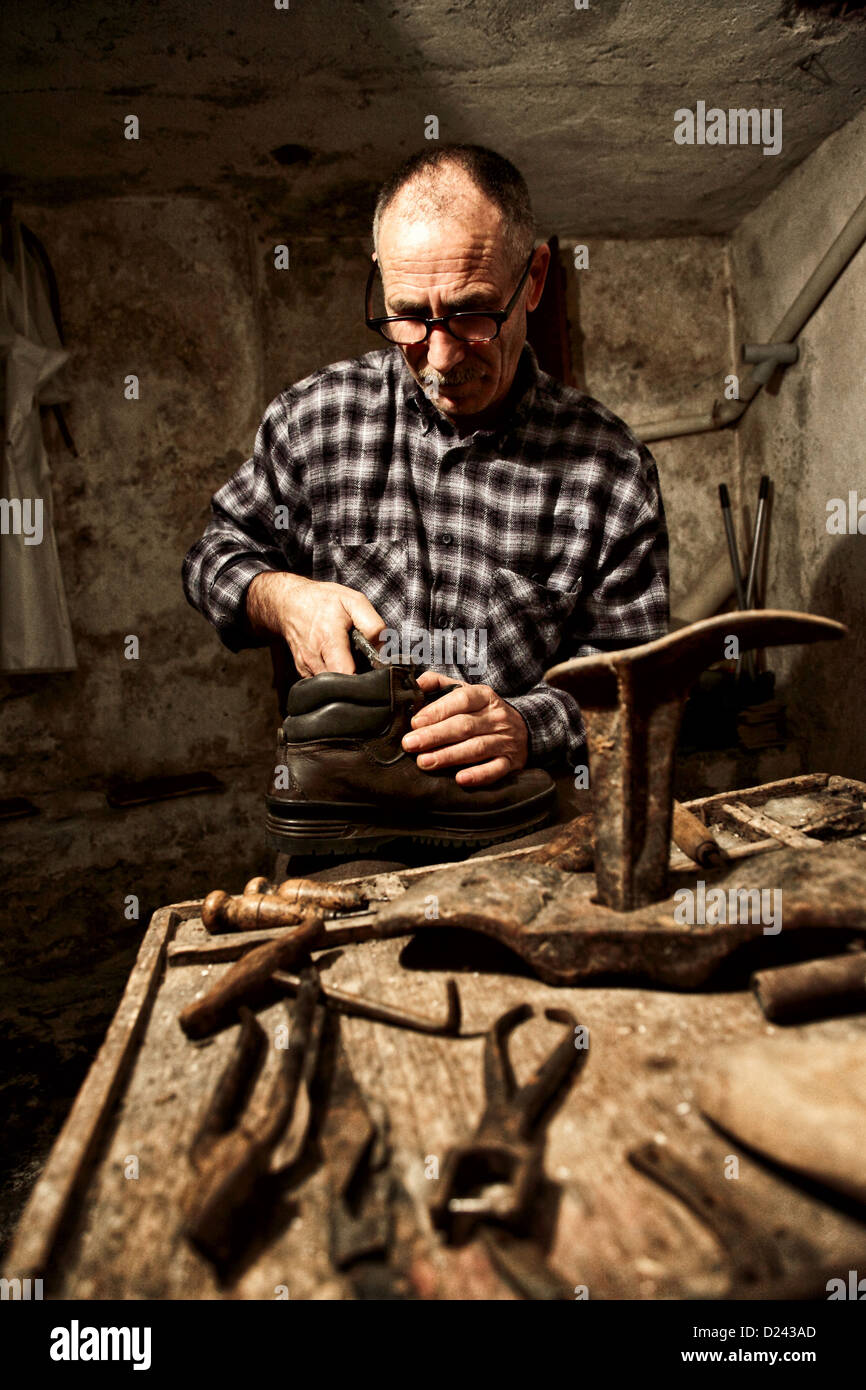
[(434, 680), (337, 653), (468, 699), (471, 750), (472, 726), (452, 721), (319, 633), (458, 730), (484, 773)]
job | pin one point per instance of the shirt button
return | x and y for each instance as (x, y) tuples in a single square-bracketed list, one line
[(446, 538)]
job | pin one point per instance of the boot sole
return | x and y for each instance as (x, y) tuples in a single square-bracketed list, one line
[(343, 829)]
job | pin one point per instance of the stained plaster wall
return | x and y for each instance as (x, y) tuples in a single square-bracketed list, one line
[(164, 290), (808, 432), (651, 323)]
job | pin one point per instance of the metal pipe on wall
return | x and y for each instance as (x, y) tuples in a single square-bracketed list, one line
[(826, 272)]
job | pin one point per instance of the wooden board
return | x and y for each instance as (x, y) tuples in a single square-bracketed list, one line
[(93, 1230)]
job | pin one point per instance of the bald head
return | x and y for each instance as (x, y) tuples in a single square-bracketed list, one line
[(446, 210), (466, 182)]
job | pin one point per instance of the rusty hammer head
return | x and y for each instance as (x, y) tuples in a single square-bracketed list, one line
[(632, 703)]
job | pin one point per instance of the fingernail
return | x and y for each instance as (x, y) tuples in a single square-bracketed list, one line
[(411, 741), (426, 760)]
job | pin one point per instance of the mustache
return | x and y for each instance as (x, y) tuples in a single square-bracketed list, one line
[(433, 381)]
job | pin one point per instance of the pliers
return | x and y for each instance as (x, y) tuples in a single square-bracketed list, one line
[(494, 1176)]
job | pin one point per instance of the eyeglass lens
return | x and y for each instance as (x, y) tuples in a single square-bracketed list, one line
[(474, 328)]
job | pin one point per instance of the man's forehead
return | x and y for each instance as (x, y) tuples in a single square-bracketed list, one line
[(423, 254), (446, 220)]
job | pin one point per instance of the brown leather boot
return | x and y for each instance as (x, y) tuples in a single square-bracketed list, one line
[(344, 785)]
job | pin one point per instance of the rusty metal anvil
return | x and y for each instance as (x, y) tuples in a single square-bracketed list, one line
[(632, 703)]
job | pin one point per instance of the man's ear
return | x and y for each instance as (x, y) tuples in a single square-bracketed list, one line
[(537, 277)]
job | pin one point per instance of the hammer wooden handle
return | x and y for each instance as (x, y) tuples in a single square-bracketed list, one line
[(249, 980), (572, 849)]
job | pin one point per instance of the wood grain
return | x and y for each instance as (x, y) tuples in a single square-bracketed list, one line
[(613, 1231)]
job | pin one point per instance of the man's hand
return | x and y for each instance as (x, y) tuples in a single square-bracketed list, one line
[(314, 618), (471, 725)]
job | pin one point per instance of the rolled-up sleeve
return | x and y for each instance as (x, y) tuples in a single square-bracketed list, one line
[(258, 519)]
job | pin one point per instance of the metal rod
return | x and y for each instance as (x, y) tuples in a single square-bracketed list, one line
[(770, 352), (725, 500), (734, 553), (757, 540), (386, 1013)]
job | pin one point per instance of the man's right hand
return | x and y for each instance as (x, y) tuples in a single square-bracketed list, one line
[(314, 618)]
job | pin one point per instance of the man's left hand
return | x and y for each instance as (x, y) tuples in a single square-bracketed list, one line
[(470, 725)]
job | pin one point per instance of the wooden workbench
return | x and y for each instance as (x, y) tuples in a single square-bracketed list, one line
[(95, 1230)]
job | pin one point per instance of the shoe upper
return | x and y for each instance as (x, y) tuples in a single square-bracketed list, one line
[(341, 741), (358, 706)]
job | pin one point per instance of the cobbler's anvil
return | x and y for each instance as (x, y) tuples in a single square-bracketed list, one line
[(632, 703)]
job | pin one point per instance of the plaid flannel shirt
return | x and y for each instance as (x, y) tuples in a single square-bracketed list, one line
[(544, 536)]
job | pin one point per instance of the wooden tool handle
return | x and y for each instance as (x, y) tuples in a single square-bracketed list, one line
[(249, 980), (694, 839), (221, 912), (813, 988), (310, 892)]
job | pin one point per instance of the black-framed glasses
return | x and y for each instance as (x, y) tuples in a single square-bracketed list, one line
[(466, 325)]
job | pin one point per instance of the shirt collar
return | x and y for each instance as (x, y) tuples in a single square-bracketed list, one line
[(522, 396)]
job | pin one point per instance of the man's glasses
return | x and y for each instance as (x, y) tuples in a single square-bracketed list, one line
[(466, 325)]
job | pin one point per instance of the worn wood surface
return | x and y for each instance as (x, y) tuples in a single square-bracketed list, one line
[(758, 1088), (75, 1150), (105, 1218), (615, 1231)]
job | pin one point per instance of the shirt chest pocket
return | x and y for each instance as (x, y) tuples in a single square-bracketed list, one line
[(378, 568), (527, 623)]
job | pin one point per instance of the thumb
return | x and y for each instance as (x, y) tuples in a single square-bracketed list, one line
[(364, 617)]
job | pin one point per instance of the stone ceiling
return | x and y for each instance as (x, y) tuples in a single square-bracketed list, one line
[(299, 112)]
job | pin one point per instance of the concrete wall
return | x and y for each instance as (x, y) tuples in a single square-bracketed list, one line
[(165, 290), (651, 322), (808, 432), (314, 313)]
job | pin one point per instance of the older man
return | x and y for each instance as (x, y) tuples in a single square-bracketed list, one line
[(444, 484)]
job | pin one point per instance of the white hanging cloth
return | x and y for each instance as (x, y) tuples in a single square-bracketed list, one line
[(35, 633)]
